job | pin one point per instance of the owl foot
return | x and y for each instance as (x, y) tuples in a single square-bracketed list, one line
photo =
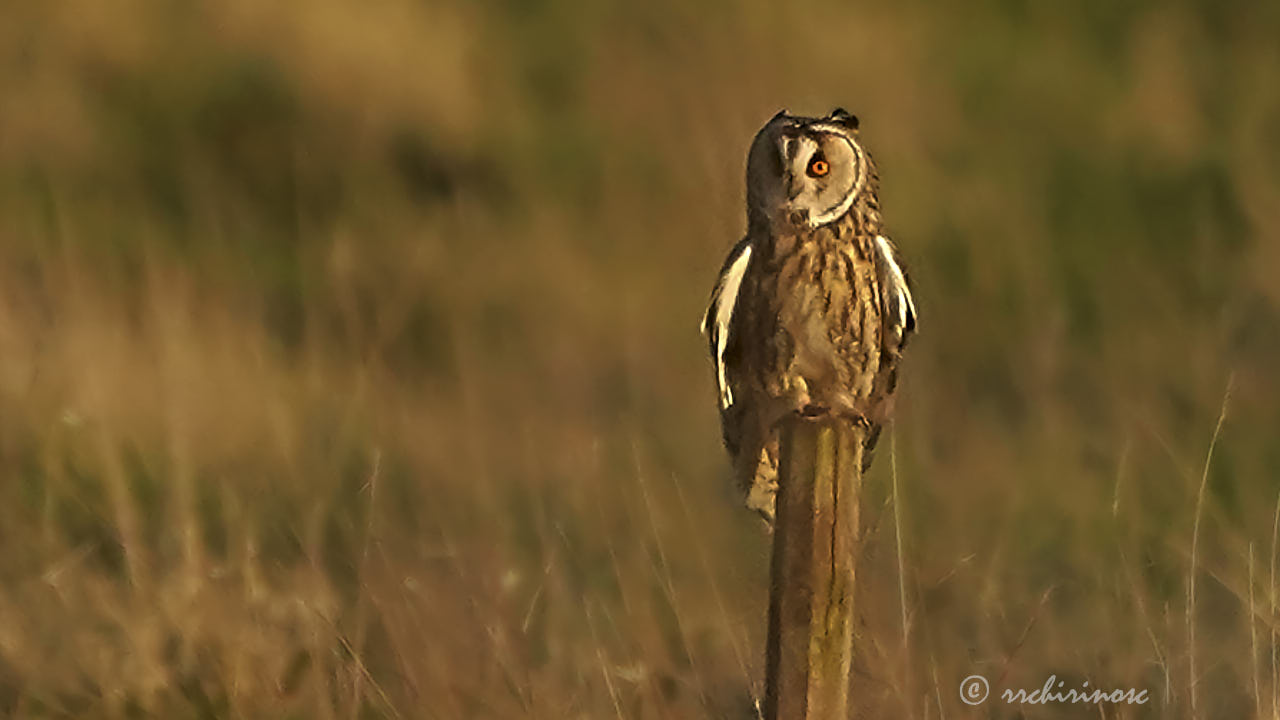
[(814, 413)]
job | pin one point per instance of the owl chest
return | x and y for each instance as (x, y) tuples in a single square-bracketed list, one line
[(815, 320)]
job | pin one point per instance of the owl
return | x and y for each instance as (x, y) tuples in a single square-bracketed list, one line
[(812, 309)]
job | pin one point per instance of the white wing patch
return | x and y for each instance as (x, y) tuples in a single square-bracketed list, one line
[(901, 301), (715, 323)]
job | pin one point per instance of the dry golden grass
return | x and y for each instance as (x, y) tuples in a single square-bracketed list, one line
[(348, 363)]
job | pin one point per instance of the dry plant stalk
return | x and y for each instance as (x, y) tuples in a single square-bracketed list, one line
[(811, 599)]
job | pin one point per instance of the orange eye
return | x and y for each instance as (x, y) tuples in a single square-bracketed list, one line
[(818, 167)]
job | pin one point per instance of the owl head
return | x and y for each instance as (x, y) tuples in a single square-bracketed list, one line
[(806, 172)]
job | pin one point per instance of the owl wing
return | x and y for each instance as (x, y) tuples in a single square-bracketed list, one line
[(899, 309), (717, 320)]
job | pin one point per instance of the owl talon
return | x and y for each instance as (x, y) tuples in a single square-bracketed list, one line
[(858, 419), (814, 412)]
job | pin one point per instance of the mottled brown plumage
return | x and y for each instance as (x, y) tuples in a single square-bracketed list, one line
[(812, 309)]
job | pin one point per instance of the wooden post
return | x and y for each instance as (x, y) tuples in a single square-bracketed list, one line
[(810, 644)]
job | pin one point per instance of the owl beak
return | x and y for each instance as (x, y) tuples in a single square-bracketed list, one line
[(794, 188), (788, 145)]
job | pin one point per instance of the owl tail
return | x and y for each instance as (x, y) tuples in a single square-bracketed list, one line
[(762, 484)]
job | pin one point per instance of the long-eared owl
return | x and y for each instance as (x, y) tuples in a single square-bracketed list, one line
[(812, 309)]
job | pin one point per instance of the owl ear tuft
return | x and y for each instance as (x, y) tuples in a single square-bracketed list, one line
[(843, 117)]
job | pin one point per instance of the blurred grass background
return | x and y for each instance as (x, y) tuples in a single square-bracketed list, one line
[(348, 361)]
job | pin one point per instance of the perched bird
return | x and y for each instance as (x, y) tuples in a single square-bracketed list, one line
[(813, 308)]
